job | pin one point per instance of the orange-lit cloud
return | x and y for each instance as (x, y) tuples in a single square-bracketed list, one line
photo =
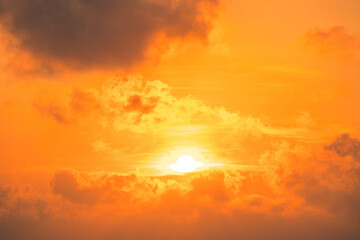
[(141, 105), (297, 186)]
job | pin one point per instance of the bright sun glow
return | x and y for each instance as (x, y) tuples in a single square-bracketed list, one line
[(185, 164)]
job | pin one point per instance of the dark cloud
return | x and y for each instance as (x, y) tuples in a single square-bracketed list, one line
[(54, 111), (102, 33), (345, 145), (4, 194)]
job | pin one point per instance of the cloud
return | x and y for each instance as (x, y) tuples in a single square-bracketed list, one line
[(139, 105), (302, 193), (4, 195), (99, 33), (122, 114), (55, 111), (327, 179), (206, 205), (102, 147), (334, 42), (345, 145), (103, 188), (65, 184), (305, 119)]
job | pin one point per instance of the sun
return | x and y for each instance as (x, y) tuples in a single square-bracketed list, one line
[(185, 164)]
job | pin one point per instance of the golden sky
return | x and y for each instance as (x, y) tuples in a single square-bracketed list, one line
[(179, 119)]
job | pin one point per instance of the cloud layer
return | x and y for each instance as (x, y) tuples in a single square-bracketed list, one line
[(301, 193)]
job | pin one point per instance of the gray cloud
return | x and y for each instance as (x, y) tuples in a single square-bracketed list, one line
[(4, 194), (101, 33), (345, 145)]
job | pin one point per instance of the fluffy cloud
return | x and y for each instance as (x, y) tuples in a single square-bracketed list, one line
[(326, 179), (100, 33), (141, 106)]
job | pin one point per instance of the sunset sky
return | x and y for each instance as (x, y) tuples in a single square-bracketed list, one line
[(179, 119)]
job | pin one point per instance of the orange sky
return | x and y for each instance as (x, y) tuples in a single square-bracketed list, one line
[(98, 98)]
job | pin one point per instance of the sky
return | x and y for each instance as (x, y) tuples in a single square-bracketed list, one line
[(179, 119)]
